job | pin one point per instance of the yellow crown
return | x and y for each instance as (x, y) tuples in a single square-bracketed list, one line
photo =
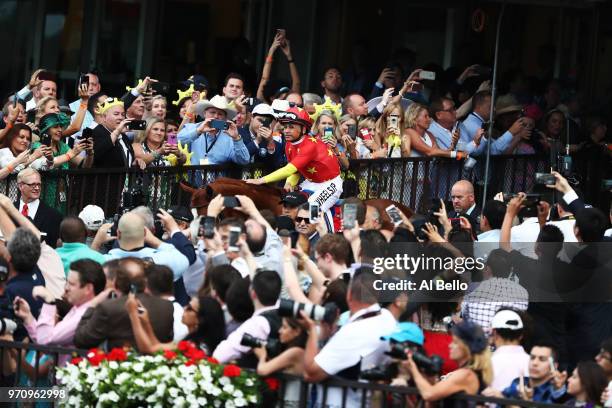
[(107, 104), (187, 94), (129, 88), (336, 109)]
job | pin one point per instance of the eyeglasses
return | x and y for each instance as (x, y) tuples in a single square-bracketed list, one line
[(293, 105), (299, 220), (604, 354), (32, 185)]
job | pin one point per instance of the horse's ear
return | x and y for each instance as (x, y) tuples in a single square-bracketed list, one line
[(185, 186)]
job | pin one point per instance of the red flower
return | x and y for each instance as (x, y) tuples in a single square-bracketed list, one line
[(189, 363), (76, 360), (213, 360), (117, 354), (195, 354), (185, 345), (169, 354), (231, 370), (272, 383), (96, 359)]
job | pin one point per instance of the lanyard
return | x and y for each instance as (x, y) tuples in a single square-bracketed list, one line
[(208, 149)]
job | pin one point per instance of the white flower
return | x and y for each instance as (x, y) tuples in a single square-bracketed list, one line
[(238, 394), (174, 392), (138, 367), (229, 404), (240, 402), (202, 401), (121, 378), (139, 382), (249, 382), (109, 396), (229, 388), (224, 381), (113, 365)]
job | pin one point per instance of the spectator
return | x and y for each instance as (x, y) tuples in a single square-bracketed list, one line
[(132, 236), (112, 147), (604, 357), (209, 145), (259, 140), (543, 384), (44, 217), (366, 144), (481, 112), (586, 385), (390, 133), (295, 99), (347, 140), (158, 108), (327, 128), (155, 149), (491, 220), (464, 202), (265, 322), (93, 217), (73, 234), (355, 346), (496, 291), (310, 99), (308, 233), (509, 359), (218, 281), (469, 349), (160, 284), (49, 104), (109, 321), (16, 155), (233, 88), (280, 41), (422, 141), (85, 288), (39, 88), (553, 130), (24, 251), (355, 106), (332, 84), (93, 87)]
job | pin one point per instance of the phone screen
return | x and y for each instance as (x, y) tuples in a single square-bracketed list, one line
[(234, 234), (219, 124), (208, 227), (172, 139), (365, 134), (314, 213), (393, 213), (352, 131), (349, 216)]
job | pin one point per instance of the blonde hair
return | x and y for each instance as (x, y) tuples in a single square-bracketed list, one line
[(329, 114), (479, 362), (381, 123), (368, 122), (159, 98), (40, 111), (346, 118), (150, 123), (412, 113)]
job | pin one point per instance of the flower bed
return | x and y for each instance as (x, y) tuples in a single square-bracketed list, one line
[(184, 377)]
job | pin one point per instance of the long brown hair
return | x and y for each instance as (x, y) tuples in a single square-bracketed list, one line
[(14, 132)]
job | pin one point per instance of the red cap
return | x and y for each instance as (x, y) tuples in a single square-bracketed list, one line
[(295, 115)]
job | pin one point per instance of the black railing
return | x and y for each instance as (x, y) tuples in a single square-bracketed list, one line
[(364, 394), (411, 181)]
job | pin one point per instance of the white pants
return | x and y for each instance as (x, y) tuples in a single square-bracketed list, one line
[(324, 194)]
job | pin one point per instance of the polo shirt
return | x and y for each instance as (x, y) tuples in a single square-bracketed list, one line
[(70, 252)]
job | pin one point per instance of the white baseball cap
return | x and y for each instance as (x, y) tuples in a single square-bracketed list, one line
[(507, 319), (92, 216), (263, 109), (280, 105)]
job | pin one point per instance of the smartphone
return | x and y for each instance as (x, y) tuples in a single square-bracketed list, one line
[(428, 75), (207, 227), (219, 124), (84, 79), (392, 121), (365, 134), (482, 70), (265, 122), (160, 87), (172, 139), (484, 126), (349, 216), (45, 139), (352, 131), (393, 213), (546, 179), (137, 125), (328, 133), (230, 202), (234, 234), (455, 223), (551, 361), (314, 213), (133, 288), (87, 133)]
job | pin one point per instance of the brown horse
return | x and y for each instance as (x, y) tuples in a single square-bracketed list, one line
[(267, 197)]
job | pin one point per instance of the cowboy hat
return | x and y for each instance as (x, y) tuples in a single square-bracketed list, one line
[(506, 104), (372, 103), (218, 102)]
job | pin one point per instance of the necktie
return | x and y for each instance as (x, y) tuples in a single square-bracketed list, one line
[(24, 210)]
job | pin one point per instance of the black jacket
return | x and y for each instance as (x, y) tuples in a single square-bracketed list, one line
[(47, 220), (107, 154)]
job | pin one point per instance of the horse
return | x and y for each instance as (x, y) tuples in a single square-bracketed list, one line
[(269, 197)]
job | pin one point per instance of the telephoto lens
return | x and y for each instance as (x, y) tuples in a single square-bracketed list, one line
[(327, 313), (250, 341)]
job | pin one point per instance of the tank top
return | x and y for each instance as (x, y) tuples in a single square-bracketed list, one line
[(428, 141)]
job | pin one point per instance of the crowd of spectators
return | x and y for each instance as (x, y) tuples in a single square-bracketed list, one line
[(154, 277)]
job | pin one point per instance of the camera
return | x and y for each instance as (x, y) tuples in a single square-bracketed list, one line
[(431, 365), (386, 373), (132, 198), (530, 204), (137, 125), (327, 313), (545, 179), (273, 346)]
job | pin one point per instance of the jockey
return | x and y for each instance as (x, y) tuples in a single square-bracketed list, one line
[(311, 158)]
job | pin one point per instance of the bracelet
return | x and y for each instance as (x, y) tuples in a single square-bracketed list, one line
[(269, 59), (290, 61), (190, 116), (69, 156), (10, 168), (9, 125), (83, 105)]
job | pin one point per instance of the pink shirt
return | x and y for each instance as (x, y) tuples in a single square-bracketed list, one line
[(509, 362), (45, 331)]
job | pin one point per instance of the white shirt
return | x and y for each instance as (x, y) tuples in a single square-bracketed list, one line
[(180, 329), (608, 233), (32, 207), (487, 241), (524, 236), (509, 362), (357, 342)]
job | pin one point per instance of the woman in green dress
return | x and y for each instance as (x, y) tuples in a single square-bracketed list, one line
[(51, 128)]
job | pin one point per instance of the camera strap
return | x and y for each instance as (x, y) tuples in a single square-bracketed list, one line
[(208, 149)]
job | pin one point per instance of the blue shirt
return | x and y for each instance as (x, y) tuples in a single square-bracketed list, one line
[(471, 125), (165, 254), (221, 148), (542, 393)]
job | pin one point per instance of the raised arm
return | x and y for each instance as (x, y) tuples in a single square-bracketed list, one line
[(267, 68), (76, 124), (295, 76)]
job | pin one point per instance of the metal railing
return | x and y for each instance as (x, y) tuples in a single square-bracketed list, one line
[(368, 394), (411, 181)]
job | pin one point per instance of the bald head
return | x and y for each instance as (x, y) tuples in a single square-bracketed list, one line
[(131, 231), (72, 229), (462, 195)]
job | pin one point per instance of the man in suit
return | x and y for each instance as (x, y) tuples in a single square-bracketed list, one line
[(45, 218), (464, 203), (109, 321)]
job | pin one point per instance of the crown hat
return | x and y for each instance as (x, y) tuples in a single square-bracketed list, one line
[(328, 105), (107, 104), (187, 94)]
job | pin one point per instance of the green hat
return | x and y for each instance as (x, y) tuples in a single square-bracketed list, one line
[(51, 120)]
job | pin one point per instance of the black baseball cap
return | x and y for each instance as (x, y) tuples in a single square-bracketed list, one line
[(180, 213), (294, 199)]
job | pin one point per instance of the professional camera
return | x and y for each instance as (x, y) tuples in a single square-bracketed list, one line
[(386, 373), (531, 202), (327, 313), (132, 198), (272, 346), (431, 365), (7, 326)]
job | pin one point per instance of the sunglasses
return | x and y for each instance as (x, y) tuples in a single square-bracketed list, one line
[(299, 220), (293, 105)]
